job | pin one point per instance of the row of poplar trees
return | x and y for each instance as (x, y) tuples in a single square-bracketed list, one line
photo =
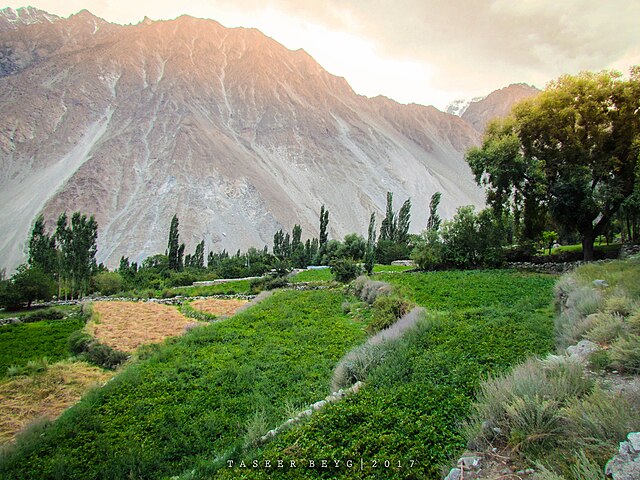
[(68, 255)]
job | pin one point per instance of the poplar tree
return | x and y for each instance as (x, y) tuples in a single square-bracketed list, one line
[(324, 223), (401, 234), (42, 248), (370, 253), (434, 219), (173, 245)]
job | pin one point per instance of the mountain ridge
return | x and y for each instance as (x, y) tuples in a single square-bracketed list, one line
[(229, 129)]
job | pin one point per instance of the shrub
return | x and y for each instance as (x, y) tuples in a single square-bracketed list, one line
[(599, 360), (428, 253), (584, 301), (387, 309), (84, 345), (108, 283), (46, 314), (599, 420), (620, 305), (344, 270), (522, 408), (369, 290), (633, 322), (356, 365), (605, 327), (625, 353)]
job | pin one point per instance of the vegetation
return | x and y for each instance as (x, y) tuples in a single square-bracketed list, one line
[(570, 153), (196, 399), (414, 400), (24, 342)]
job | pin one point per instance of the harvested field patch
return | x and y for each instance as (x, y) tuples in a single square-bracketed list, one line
[(219, 307), (125, 326), (46, 395)]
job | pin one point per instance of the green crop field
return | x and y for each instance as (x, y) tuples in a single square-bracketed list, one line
[(406, 422), (197, 398), (21, 343)]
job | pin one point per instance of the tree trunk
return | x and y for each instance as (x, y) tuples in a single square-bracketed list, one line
[(588, 239)]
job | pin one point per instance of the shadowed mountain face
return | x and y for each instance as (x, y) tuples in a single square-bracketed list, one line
[(227, 128)]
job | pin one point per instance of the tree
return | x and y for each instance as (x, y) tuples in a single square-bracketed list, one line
[(549, 237), (388, 225), (434, 219), (108, 283), (370, 253), (25, 286), (572, 151), (324, 236), (197, 259), (42, 248), (401, 233), (173, 245)]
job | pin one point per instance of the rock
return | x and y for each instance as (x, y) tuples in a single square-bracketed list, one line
[(600, 283), (529, 471), (318, 405), (454, 474), (582, 350), (626, 464), (469, 462)]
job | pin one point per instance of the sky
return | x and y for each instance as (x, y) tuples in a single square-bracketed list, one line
[(419, 51)]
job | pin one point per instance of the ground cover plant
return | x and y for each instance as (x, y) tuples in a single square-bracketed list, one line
[(313, 275), (197, 398), (24, 342), (410, 412)]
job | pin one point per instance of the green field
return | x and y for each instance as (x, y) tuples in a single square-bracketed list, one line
[(200, 397), (410, 412), (21, 343), (197, 401), (315, 275)]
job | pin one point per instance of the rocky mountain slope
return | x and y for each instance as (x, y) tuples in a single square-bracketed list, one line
[(496, 104), (227, 128)]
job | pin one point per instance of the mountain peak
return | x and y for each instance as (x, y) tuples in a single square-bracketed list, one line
[(11, 19)]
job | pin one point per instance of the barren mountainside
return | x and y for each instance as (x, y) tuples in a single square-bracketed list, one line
[(227, 128)]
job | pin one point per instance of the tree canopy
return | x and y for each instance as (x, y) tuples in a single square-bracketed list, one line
[(568, 154)]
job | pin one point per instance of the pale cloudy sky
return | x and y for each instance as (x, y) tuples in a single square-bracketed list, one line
[(422, 51)]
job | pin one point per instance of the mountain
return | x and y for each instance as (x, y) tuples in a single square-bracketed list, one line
[(497, 104), (458, 107), (11, 19), (224, 126)]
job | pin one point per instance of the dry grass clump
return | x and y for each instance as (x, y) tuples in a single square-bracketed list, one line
[(125, 326), (369, 290), (24, 399), (605, 327), (218, 307)]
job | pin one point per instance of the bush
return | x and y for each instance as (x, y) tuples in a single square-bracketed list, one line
[(369, 290), (87, 347), (356, 365), (620, 305), (522, 408), (428, 252), (605, 327), (344, 270), (108, 283), (625, 353), (387, 309), (45, 314)]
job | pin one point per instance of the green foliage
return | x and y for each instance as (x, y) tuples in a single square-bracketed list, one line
[(192, 400), (387, 309), (25, 286), (24, 342), (428, 252), (570, 152), (434, 219), (625, 353), (88, 348), (108, 283), (414, 401), (42, 248), (345, 270)]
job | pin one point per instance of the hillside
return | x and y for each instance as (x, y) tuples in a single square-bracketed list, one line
[(227, 128)]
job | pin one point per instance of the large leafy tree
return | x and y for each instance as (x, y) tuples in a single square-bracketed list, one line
[(570, 152), (42, 248)]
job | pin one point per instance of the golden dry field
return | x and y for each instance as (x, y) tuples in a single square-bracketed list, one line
[(127, 325), (219, 307), (24, 399)]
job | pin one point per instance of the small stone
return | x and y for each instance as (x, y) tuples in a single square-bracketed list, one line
[(469, 462), (600, 283), (319, 405), (529, 471), (520, 472), (454, 474)]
